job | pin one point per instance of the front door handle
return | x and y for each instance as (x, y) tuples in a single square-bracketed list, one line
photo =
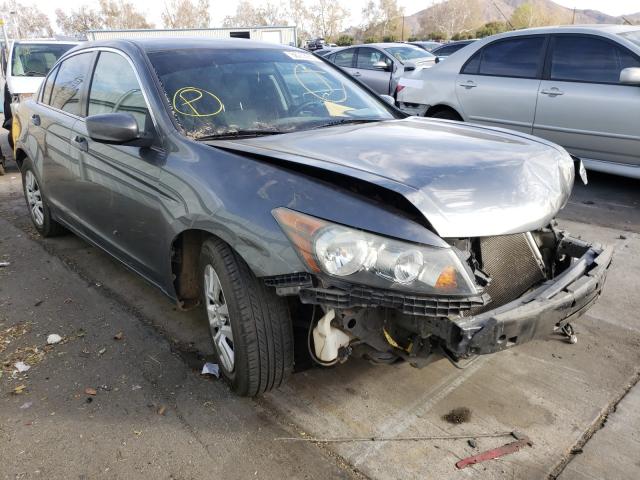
[(35, 119), (81, 143), (552, 92), (469, 84)]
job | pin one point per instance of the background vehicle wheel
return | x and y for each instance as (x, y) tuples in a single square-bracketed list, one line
[(250, 325), (447, 115), (38, 208)]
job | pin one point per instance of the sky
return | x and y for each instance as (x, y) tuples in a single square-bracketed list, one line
[(222, 8)]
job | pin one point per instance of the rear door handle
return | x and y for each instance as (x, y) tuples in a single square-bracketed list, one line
[(81, 143), (469, 84), (552, 92), (35, 119)]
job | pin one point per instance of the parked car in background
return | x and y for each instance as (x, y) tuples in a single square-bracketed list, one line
[(448, 49), (316, 44), (578, 86), (380, 65), (28, 63), (427, 45), (263, 184), (323, 52)]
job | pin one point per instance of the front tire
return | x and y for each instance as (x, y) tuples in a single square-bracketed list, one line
[(39, 210), (250, 325)]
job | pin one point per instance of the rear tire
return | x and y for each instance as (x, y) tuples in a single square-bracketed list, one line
[(447, 115), (260, 338), (39, 210)]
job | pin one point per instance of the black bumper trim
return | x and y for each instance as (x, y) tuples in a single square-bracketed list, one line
[(537, 313)]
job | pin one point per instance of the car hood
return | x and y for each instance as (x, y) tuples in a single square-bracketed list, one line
[(467, 180)]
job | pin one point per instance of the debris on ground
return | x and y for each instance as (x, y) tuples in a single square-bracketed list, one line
[(11, 333), (26, 405), (118, 336), (19, 389), (29, 356), (90, 391), (458, 415), (398, 439), (21, 367), (53, 339), (211, 369), (4, 264), (473, 443), (162, 410), (136, 387), (507, 449), (102, 350)]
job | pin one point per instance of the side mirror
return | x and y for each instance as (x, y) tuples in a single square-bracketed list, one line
[(116, 129), (382, 66), (630, 76), (437, 60), (389, 99), (409, 67)]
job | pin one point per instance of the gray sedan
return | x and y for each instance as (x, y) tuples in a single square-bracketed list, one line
[(264, 186), (380, 65), (578, 86)]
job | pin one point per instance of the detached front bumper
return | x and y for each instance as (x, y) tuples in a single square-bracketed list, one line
[(536, 314)]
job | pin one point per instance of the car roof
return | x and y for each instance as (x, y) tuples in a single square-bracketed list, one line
[(384, 44), (600, 28), (175, 43), (45, 42)]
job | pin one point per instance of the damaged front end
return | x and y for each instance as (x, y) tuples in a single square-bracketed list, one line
[(483, 295)]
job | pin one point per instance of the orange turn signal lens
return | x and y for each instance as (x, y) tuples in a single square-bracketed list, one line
[(300, 229), (447, 278)]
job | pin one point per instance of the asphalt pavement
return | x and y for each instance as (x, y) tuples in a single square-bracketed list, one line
[(121, 396)]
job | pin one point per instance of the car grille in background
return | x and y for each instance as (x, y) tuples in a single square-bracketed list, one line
[(514, 264)]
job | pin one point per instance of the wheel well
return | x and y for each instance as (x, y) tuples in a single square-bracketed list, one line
[(185, 256), (441, 108), (20, 156)]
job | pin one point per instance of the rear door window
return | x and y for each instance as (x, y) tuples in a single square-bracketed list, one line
[(519, 57), (66, 94), (115, 89), (588, 59), (344, 58)]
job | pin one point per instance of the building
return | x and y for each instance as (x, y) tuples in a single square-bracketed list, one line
[(281, 35)]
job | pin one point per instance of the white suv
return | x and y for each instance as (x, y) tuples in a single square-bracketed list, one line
[(578, 86)]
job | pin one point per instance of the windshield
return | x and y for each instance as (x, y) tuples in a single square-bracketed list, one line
[(215, 92), (633, 36), (36, 59), (408, 53)]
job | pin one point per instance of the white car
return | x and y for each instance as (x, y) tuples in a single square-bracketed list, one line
[(578, 86), (28, 63)]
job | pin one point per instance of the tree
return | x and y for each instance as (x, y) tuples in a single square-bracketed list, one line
[(78, 22), (491, 28), (328, 18), (538, 14), (249, 16), (122, 15), (26, 21), (344, 40), (186, 14), (382, 19)]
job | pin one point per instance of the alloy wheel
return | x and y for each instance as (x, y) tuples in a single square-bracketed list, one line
[(34, 198), (219, 321)]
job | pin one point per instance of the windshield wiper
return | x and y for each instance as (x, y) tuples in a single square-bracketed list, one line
[(345, 121), (240, 134)]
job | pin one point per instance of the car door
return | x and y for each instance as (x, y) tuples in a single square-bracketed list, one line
[(121, 208), (346, 59), (581, 103), (376, 78), (499, 84), (54, 118)]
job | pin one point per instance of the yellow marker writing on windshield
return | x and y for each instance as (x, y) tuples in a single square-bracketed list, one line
[(196, 102)]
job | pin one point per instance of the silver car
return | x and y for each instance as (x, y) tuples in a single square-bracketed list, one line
[(578, 86), (380, 65)]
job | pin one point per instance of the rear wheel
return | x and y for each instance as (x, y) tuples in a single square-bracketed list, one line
[(38, 208), (447, 115), (249, 324)]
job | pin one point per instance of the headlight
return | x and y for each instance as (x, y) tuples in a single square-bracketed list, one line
[(365, 258)]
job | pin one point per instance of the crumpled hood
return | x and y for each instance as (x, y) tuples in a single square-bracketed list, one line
[(467, 180)]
